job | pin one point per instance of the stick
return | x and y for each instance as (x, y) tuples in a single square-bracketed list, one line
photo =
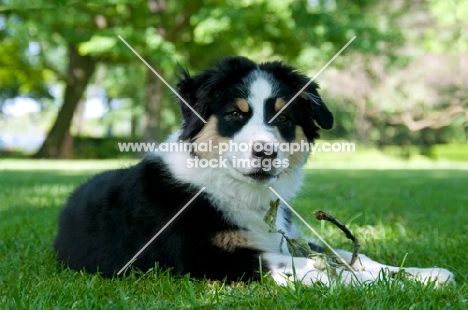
[(320, 215)]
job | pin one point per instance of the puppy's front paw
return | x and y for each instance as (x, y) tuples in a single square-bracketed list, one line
[(426, 275)]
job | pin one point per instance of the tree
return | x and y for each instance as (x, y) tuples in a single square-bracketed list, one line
[(80, 70), (71, 24), (191, 32)]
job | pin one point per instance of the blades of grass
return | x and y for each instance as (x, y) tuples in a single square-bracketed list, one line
[(191, 291), (123, 300)]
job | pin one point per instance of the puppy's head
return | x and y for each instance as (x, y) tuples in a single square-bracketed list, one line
[(250, 124)]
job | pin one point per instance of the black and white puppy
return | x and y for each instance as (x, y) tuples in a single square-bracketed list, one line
[(222, 233)]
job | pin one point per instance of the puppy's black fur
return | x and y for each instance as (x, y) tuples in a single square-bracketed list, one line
[(112, 216)]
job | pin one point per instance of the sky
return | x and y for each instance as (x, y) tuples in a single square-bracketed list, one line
[(16, 107)]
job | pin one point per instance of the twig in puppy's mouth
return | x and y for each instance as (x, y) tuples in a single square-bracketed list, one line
[(320, 215)]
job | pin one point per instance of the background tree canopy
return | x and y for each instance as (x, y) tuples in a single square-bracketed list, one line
[(401, 82)]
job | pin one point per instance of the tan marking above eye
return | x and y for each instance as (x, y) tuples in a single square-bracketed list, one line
[(242, 104), (279, 104)]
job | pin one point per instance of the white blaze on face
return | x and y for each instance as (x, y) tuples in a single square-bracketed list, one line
[(259, 91), (260, 88)]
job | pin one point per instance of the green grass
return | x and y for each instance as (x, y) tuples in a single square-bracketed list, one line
[(414, 210)]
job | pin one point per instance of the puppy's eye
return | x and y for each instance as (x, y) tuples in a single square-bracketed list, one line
[(282, 118), (236, 114)]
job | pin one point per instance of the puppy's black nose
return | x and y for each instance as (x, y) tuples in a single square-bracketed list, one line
[(262, 150)]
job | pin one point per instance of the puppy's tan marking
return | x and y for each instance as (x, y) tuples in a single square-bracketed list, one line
[(209, 133), (242, 104), (298, 158), (279, 104), (230, 240)]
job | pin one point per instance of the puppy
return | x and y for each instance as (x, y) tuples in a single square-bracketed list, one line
[(239, 128)]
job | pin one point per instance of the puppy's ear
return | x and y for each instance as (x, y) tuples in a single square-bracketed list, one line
[(316, 110), (319, 111), (199, 90), (193, 90)]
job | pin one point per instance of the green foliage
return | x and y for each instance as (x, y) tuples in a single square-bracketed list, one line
[(20, 70), (451, 16), (392, 212), (36, 35), (455, 152), (98, 45)]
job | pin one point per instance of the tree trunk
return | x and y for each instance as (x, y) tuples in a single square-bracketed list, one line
[(152, 131), (78, 118), (133, 123), (80, 70)]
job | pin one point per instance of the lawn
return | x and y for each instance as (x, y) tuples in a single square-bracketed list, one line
[(402, 213)]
